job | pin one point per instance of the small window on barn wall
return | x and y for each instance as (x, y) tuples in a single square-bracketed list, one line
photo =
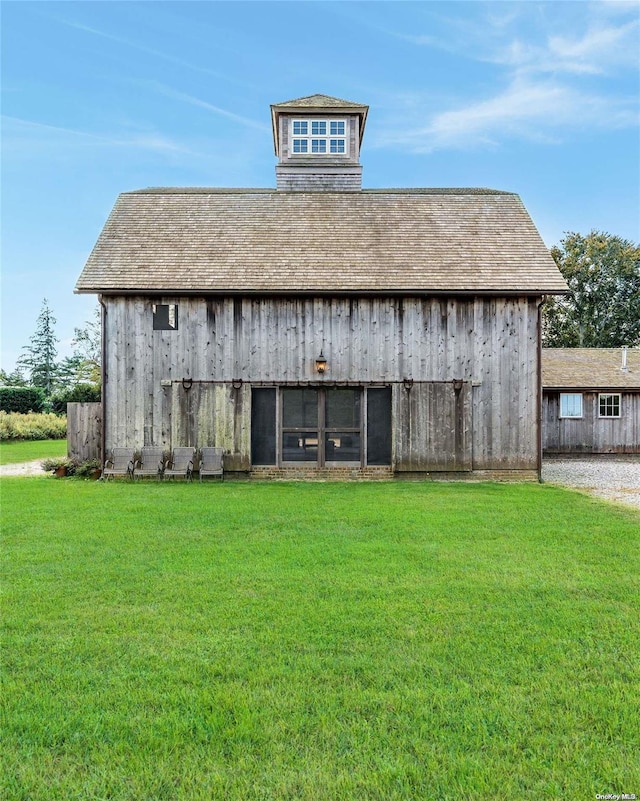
[(165, 316), (570, 404), (609, 405)]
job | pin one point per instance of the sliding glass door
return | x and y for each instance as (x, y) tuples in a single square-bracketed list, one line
[(300, 425), (321, 427), (342, 427)]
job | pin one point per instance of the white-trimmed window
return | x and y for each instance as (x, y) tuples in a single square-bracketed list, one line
[(570, 404), (609, 405), (319, 137)]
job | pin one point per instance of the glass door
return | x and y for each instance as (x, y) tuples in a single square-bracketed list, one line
[(300, 426), (333, 427), (342, 427)]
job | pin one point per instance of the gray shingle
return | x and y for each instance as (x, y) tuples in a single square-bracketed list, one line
[(264, 241), (590, 368), (319, 101)]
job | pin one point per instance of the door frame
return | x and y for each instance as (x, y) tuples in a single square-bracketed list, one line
[(321, 429)]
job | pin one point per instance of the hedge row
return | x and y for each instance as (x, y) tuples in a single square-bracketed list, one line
[(22, 399), (81, 393), (32, 399), (32, 426)]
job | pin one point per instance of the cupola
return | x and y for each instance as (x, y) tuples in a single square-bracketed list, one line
[(317, 141)]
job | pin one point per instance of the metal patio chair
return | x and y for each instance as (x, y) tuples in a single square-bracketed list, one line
[(211, 462), (150, 463), (119, 463), (180, 464)]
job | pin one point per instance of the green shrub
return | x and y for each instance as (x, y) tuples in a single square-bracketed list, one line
[(81, 393), (32, 426), (22, 399), (84, 469), (87, 468)]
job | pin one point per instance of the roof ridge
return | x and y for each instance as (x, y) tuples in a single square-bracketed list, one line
[(227, 190), (319, 99), (598, 350)]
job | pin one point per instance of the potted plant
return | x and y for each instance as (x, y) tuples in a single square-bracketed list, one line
[(60, 466), (89, 469)]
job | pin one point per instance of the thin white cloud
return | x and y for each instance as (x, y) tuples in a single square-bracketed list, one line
[(42, 126), (497, 39), (196, 101), (144, 140), (614, 7), (532, 110), (554, 82), (599, 51), (30, 142), (153, 52)]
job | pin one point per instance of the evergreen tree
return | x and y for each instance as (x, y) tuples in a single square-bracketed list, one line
[(39, 358), (70, 372), (14, 379)]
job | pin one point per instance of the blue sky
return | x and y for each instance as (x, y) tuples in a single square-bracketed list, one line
[(539, 98)]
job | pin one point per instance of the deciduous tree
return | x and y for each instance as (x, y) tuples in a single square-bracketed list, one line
[(603, 307), (88, 349)]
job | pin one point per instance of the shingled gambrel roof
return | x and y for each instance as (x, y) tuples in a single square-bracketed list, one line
[(590, 368), (177, 241)]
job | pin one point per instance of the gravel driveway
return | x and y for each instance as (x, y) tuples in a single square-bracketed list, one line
[(612, 479), (22, 469)]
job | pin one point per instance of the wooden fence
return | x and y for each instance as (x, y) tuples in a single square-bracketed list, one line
[(84, 431)]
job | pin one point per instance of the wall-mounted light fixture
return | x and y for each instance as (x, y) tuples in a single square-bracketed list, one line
[(457, 384), (236, 383), (187, 383), (321, 364), (408, 383)]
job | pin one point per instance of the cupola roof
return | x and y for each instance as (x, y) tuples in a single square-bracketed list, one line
[(317, 104)]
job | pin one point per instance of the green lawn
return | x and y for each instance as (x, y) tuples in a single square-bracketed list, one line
[(14, 452), (317, 642)]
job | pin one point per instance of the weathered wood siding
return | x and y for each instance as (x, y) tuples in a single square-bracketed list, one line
[(488, 343), (591, 433), (437, 427), (318, 173), (84, 431), (213, 414)]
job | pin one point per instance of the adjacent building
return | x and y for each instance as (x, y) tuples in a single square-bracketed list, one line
[(591, 401)]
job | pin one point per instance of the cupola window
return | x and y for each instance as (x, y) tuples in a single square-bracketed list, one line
[(319, 137)]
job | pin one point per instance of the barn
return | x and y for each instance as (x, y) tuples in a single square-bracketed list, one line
[(591, 401), (320, 329)]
